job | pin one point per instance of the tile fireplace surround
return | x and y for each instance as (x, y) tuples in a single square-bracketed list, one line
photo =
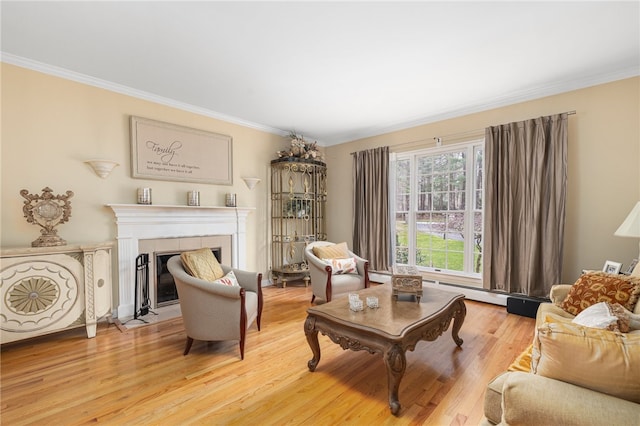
[(137, 222)]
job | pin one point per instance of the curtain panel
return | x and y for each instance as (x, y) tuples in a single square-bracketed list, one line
[(371, 229), (525, 198)]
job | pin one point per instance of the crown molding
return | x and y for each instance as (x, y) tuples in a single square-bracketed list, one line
[(128, 91), (574, 83)]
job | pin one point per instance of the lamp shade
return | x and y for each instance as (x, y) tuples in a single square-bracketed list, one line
[(631, 225)]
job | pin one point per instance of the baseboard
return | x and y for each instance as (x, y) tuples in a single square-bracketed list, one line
[(479, 295)]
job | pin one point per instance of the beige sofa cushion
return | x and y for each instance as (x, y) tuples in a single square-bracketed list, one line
[(528, 399), (202, 264), (493, 398), (609, 361), (597, 287)]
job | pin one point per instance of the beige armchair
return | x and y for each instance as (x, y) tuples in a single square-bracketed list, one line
[(214, 312), (327, 285)]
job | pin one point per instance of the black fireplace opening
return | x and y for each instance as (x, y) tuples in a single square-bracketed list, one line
[(166, 292)]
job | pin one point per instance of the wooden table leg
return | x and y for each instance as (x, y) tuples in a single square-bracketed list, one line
[(458, 318), (396, 363), (312, 338)]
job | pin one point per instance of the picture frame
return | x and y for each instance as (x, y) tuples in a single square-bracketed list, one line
[(611, 267), (164, 151), (631, 267)]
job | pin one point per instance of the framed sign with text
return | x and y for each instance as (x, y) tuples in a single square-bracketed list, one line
[(166, 151)]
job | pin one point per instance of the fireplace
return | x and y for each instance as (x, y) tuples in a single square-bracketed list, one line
[(165, 292), (165, 288), (156, 228)]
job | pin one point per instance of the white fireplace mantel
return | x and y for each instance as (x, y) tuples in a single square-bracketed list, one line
[(140, 221)]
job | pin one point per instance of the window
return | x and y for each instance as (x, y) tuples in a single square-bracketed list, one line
[(438, 209)]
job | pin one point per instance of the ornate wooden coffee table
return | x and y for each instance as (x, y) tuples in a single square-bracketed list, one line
[(390, 330)]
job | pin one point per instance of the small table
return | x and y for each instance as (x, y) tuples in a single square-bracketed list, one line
[(390, 329)]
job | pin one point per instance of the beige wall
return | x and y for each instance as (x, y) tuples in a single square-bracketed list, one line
[(51, 125), (604, 172)]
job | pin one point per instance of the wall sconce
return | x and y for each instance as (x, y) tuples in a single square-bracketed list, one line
[(251, 181), (102, 167)]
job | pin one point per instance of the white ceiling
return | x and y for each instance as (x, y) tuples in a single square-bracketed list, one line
[(332, 71)]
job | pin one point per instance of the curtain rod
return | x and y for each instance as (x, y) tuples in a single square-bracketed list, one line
[(438, 139), (453, 135)]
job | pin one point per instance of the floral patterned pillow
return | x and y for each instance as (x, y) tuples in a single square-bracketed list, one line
[(229, 279), (598, 287), (342, 266)]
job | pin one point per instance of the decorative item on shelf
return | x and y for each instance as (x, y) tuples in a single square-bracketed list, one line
[(295, 267), (297, 208), (301, 149), (144, 195), (193, 198), (251, 182), (631, 267), (230, 200), (102, 167), (47, 211)]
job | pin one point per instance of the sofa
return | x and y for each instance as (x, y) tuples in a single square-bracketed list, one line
[(571, 374)]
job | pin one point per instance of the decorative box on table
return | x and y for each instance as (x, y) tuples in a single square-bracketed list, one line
[(406, 279)]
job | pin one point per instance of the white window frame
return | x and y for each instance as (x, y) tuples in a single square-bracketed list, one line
[(466, 277)]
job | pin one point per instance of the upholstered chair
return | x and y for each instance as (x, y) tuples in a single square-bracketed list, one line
[(216, 312), (329, 281)]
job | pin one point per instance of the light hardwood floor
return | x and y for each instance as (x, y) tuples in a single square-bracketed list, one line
[(140, 377)]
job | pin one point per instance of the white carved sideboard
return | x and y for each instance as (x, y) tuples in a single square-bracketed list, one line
[(47, 289)]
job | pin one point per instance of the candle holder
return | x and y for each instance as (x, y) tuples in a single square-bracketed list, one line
[(193, 198), (355, 303), (230, 200), (372, 302), (144, 195)]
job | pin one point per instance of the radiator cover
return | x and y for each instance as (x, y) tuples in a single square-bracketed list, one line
[(524, 305)]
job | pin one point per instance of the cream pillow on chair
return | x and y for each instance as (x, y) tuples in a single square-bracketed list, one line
[(334, 251), (202, 264)]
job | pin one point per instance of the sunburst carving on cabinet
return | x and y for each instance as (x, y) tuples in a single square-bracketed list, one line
[(33, 295)]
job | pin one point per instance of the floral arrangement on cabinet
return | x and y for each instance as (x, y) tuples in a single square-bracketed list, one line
[(300, 148)]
